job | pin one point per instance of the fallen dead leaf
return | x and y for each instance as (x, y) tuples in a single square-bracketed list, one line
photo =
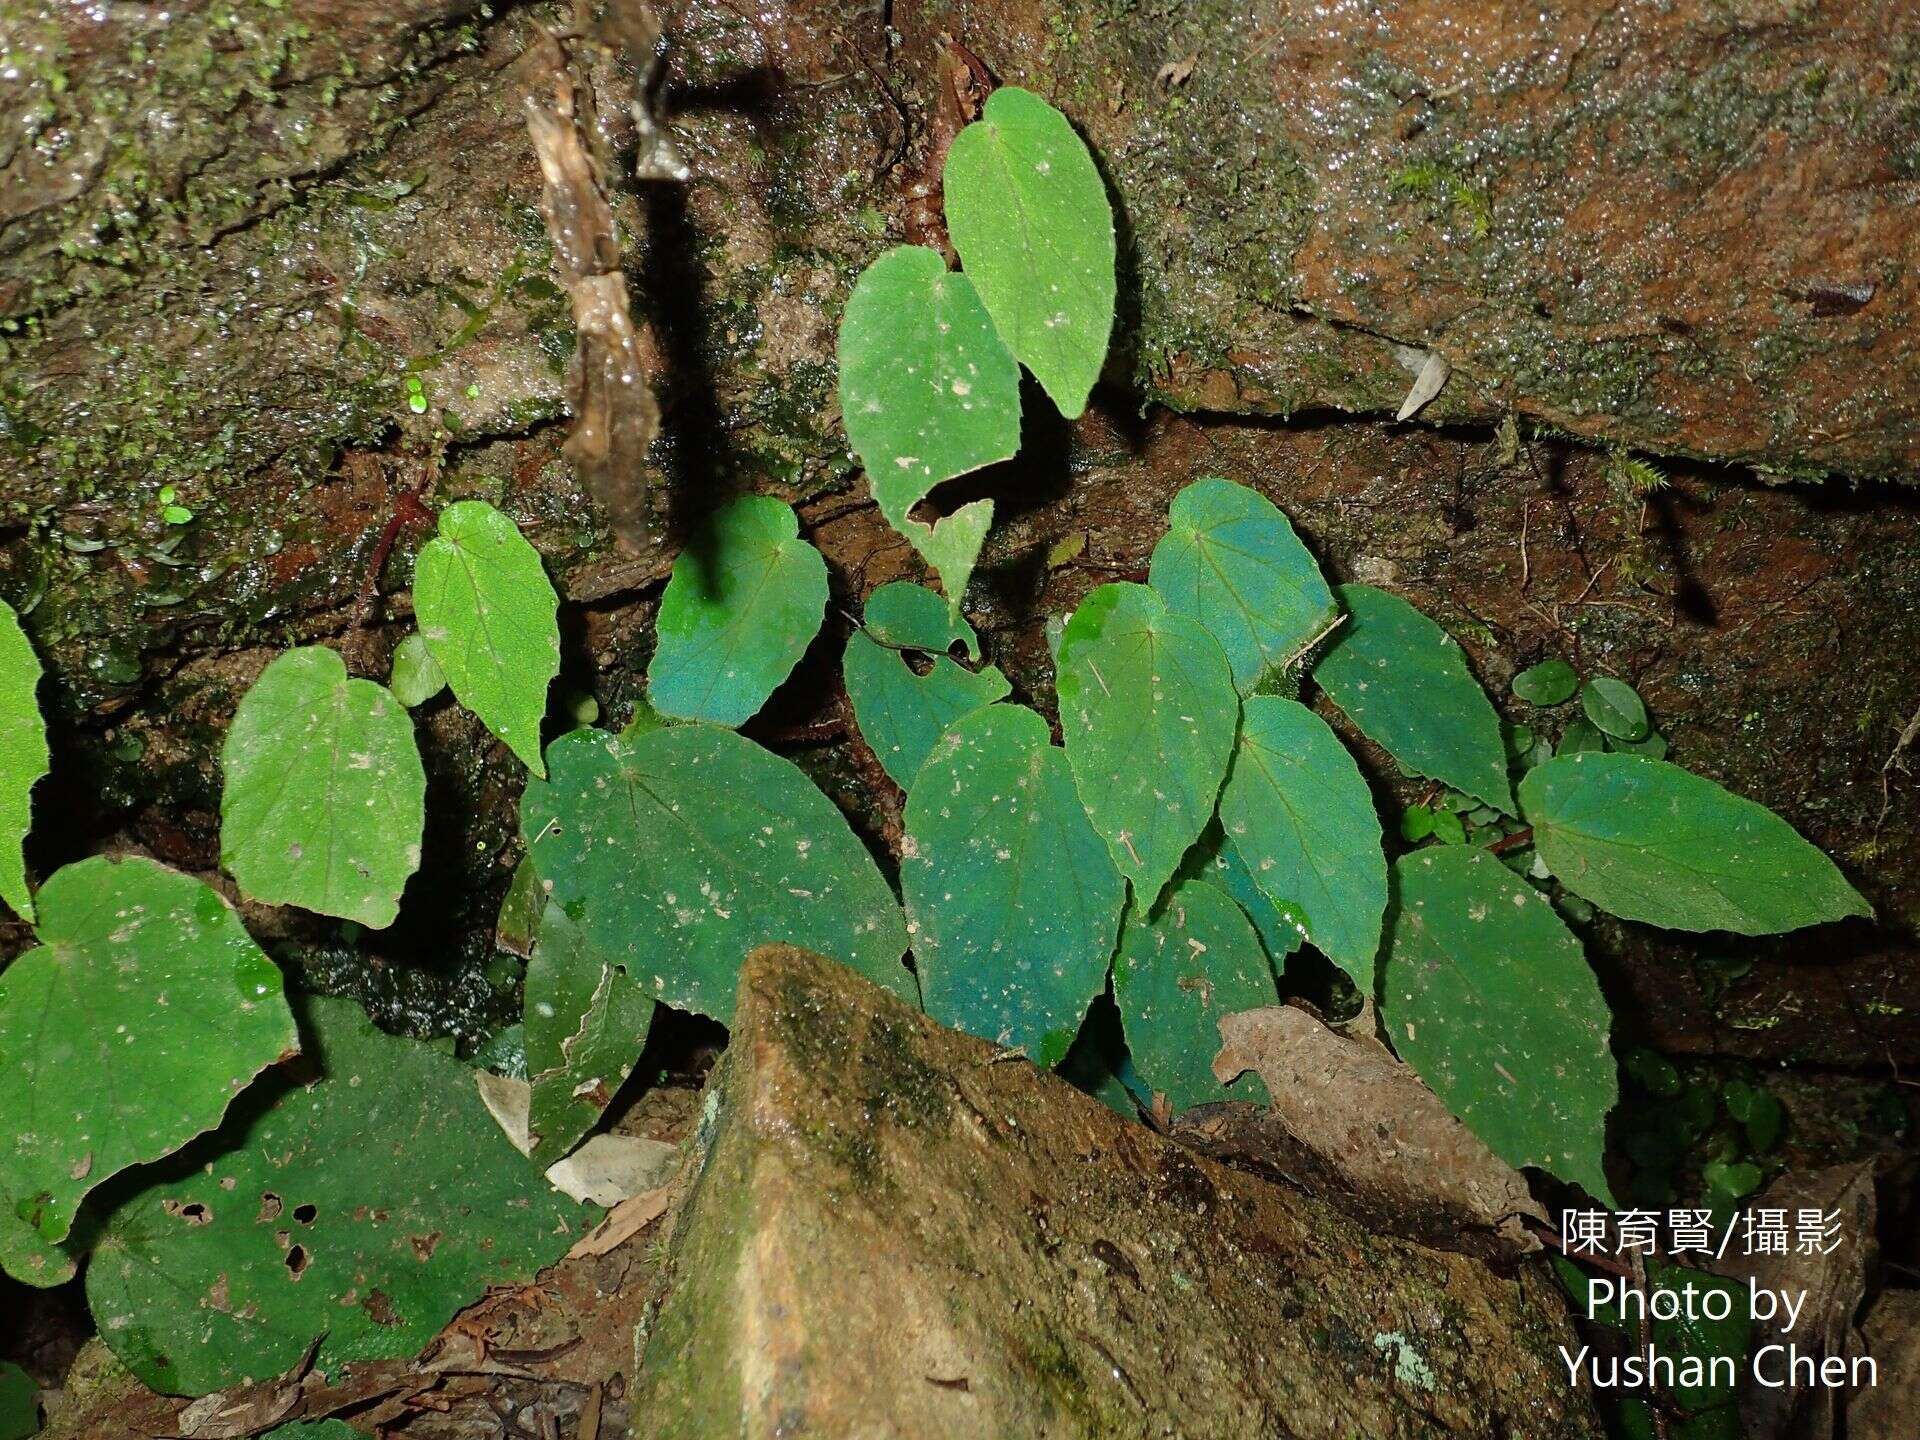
[(604, 1170), (623, 1222)]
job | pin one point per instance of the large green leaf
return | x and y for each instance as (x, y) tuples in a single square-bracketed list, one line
[(1217, 860), (1148, 710), (746, 598), (23, 757), (586, 1023), (366, 1208), (1029, 215), (1490, 998), (146, 1008), (1403, 681), (1299, 813), (1014, 901), (1649, 841), (1231, 561), (901, 713), (1195, 959), (680, 850), (927, 392), (325, 796), (489, 616)]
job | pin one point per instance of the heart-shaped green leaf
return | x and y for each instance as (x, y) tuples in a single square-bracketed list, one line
[(679, 851), (1194, 960), (1649, 841), (146, 1008), (366, 1208), (1029, 216), (1148, 710), (927, 392), (746, 599), (1299, 813), (1403, 681), (901, 713), (325, 796), (488, 613), (23, 758), (586, 1023), (1014, 901), (1231, 561), (1489, 997)]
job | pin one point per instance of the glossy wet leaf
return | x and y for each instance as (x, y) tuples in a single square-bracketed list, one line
[(1194, 960), (928, 391), (416, 676), (586, 1023), (1299, 813), (1231, 561), (1029, 216), (145, 1009), (679, 851), (1148, 710), (490, 618), (1551, 682), (1403, 681), (901, 713), (1490, 998), (1649, 841), (746, 599), (325, 795), (1014, 900), (1653, 745), (23, 757), (1614, 708), (369, 1207)]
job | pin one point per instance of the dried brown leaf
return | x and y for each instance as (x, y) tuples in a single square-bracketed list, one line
[(623, 1222)]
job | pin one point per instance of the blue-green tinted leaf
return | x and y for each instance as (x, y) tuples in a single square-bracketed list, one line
[(901, 714), (1614, 707), (1649, 841), (1489, 997), (1014, 900), (23, 757), (1148, 710), (678, 852), (1231, 561), (905, 615), (1216, 860), (1029, 216), (746, 598), (1403, 681), (586, 1023)]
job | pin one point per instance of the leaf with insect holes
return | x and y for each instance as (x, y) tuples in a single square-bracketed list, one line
[(586, 1023), (146, 1008), (490, 618), (1231, 561), (325, 797), (746, 599), (1013, 898), (23, 758), (901, 713), (927, 392), (1489, 996), (680, 850), (1148, 711), (361, 1210), (1195, 960), (1649, 841), (1029, 216), (1403, 681)]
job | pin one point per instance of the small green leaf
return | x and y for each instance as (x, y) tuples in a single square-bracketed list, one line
[(1731, 1179), (586, 1023), (325, 797), (1403, 681), (1579, 736), (1148, 709), (1194, 960), (518, 923), (1551, 682), (366, 1208), (1654, 745), (19, 1403), (1448, 828), (1416, 823), (1014, 901), (1649, 841), (1299, 812), (416, 677), (23, 758), (927, 392), (1489, 997), (679, 851), (1614, 708), (146, 1008), (489, 615), (912, 617), (1231, 561), (746, 599), (1029, 216), (901, 714)]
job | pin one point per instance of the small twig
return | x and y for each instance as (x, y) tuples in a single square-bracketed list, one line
[(1518, 839)]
